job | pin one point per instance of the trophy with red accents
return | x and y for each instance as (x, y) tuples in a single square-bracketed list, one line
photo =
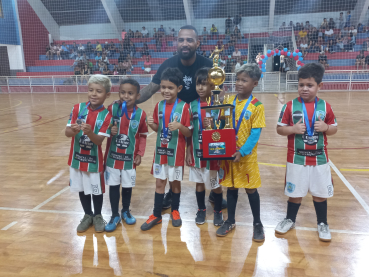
[(218, 144)]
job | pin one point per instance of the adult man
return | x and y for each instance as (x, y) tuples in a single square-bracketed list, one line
[(144, 32), (237, 20), (205, 36), (228, 22)]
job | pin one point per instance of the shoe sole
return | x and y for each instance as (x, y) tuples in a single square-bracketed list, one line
[(166, 207), (84, 230), (258, 240), (325, 240), (200, 223), (99, 231), (219, 235), (280, 233), (176, 225)]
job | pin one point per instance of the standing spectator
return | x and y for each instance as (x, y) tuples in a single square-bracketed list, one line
[(290, 26), (348, 19), (360, 60), (161, 31), (145, 50), (331, 24), (323, 59), (64, 51), (147, 65), (298, 27), (324, 24), (236, 54), (81, 49), (144, 32), (302, 33), (89, 49), (365, 45), (133, 49), (205, 34), (237, 33), (214, 31), (77, 73), (98, 48), (341, 21), (282, 63), (237, 21), (228, 22)]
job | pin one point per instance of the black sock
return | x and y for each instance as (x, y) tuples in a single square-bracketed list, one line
[(321, 211), (114, 196), (98, 202), (175, 201), (200, 197), (158, 204), (218, 199), (126, 198), (232, 197), (292, 209), (170, 190), (86, 202), (254, 200)]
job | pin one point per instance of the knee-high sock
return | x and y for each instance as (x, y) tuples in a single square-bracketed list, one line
[(175, 201), (321, 209), (232, 197), (158, 204), (292, 209), (254, 200), (86, 202), (126, 198), (98, 202), (200, 197), (114, 196)]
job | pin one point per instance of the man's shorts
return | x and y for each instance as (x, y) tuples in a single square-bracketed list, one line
[(239, 175), (164, 171), (206, 176), (114, 177), (301, 179), (88, 182)]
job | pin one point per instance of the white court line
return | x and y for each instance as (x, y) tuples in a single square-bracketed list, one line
[(351, 188), (9, 225), (55, 177), (349, 232), (51, 198)]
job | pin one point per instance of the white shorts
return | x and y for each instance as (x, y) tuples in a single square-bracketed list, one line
[(88, 182), (206, 176), (164, 171), (114, 177), (316, 179), (148, 70)]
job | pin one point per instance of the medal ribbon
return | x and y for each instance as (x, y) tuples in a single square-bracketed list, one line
[(309, 128), (199, 113), (124, 110), (165, 130), (80, 115), (242, 113)]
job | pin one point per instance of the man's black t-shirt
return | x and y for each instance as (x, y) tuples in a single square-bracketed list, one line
[(188, 92)]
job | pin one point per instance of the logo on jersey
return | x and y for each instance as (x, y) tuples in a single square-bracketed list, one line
[(116, 119), (310, 140), (99, 123), (167, 139), (296, 116), (221, 173), (122, 141), (107, 175), (187, 81), (290, 187), (320, 114), (85, 143), (248, 115), (134, 124), (195, 116), (157, 169), (176, 115)]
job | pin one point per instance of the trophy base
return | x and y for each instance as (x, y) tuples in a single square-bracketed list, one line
[(218, 107), (218, 144)]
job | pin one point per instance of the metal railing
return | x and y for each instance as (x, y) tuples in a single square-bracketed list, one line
[(351, 80)]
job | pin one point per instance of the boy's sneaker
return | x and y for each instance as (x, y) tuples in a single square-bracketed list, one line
[(324, 233), (86, 222), (212, 200), (176, 219), (200, 217), (258, 235), (218, 218), (99, 223), (112, 225), (167, 201), (225, 229), (284, 226), (153, 220), (128, 218)]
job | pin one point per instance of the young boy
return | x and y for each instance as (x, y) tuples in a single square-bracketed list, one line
[(171, 120), (307, 121), (243, 172), (88, 125), (124, 150), (204, 173)]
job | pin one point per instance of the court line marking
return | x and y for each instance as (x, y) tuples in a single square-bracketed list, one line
[(55, 177), (11, 107), (9, 225), (51, 198), (351, 188), (349, 232), (354, 169)]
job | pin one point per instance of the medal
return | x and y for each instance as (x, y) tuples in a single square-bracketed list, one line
[(165, 129), (82, 117), (309, 128), (241, 116)]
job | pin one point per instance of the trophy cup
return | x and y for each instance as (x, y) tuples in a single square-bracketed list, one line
[(218, 144)]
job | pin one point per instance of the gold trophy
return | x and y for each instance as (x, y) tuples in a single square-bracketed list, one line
[(218, 144)]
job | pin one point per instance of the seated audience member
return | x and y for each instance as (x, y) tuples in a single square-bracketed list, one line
[(302, 33), (229, 66), (360, 60), (156, 34), (133, 49), (64, 51), (324, 24), (86, 72), (172, 32), (222, 59), (89, 49), (313, 35), (106, 50), (316, 48), (105, 59), (138, 34), (145, 50), (308, 26), (236, 53), (351, 43), (78, 61), (163, 42), (353, 31), (84, 59), (130, 34), (298, 27), (322, 58), (366, 61), (329, 34), (81, 49), (360, 28), (339, 45), (303, 46), (101, 66), (204, 54), (147, 65), (321, 33), (230, 49), (331, 24), (205, 34), (106, 70), (77, 71), (309, 49), (98, 48), (228, 33), (50, 51), (238, 64), (213, 31), (121, 70), (331, 46), (345, 31), (365, 46), (58, 51), (112, 48), (237, 33), (97, 58), (283, 27), (161, 31), (144, 32), (115, 70), (232, 40)]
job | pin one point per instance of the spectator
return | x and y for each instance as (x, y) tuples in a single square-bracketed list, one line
[(145, 50), (163, 44), (303, 46), (121, 70), (161, 30), (156, 34), (360, 60), (298, 27), (50, 51), (220, 44), (105, 59), (73, 54), (313, 35), (329, 34), (124, 33), (228, 66), (228, 33), (84, 59), (98, 48), (324, 24), (309, 49), (351, 43), (302, 33), (237, 20), (222, 59), (353, 31), (172, 32), (366, 61), (112, 48), (138, 34), (238, 64), (144, 32), (290, 25), (316, 48), (126, 65), (282, 63), (106, 70), (205, 34), (133, 49), (58, 50), (345, 32), (258, 58), (236, 54), (204, 54), (101, 66), (115, 70), (348, 19), (237, 33), (81, 49), (228, 22), (323, 59), (77, 72), (98, 58), (89, 49), (339, 44), (147, 65), (74, 47), (308, 26), (86, 72), (214, 31), (331, 24), (360, 28), (232, 40), (230, 49), (158, 44), (321, 33), (64, 51), (283, 27), (130, 34), (365, 45), (331, 46), (341, 21)]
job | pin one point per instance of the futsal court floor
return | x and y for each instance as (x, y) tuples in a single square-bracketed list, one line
[(39, 215)]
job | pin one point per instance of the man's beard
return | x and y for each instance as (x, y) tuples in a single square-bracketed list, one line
[(186, 56)]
